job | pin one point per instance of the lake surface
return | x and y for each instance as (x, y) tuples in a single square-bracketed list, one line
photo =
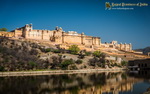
[(83, 83)]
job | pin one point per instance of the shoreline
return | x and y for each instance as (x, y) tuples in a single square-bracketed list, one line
[(53, 72)]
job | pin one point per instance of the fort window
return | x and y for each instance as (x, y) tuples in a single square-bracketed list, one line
[(139, 65)]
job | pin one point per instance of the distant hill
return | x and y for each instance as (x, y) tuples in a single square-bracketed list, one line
[(144, 50)]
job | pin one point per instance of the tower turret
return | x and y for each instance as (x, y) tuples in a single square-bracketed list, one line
[(27, 29)]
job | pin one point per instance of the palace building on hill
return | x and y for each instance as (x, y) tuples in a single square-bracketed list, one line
[(58, 36)]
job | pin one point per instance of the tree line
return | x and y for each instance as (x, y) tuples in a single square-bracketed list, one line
[(3, 29)]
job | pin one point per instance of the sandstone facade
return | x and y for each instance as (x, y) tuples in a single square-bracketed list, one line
[(114, 44), (64, 39), (6, 34)]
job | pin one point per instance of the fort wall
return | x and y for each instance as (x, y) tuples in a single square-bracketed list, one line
[(58, 36), (115, 45), (7, 34)]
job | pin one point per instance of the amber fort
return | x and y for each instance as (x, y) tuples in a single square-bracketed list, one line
[(63, 39)]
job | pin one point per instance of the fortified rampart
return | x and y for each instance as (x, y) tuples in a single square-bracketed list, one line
[(64, 39), (114, 44)]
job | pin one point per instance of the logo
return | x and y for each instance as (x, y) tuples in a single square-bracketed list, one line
[(123, 6), (107, 5)]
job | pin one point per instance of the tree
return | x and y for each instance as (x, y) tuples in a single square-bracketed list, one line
[(97, 53), (79, 61), (102, 57), (3, 29), (48, 50), (74, 49), (66, 63), (124, 63), (88, 53), (81, 54), (55, 61), (2, 68)]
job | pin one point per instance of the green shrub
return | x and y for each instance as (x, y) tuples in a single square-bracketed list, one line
[(3, 29), (79, 61), (85, 66), (115, 64), (55, 62), (88, 53), (73, 67), (97, 53), (34, 52), (81, 56), (62, 50), (66, 63), (33, 64), (74, 49), (93, 61), (6, 60), (2, 68), (124, 63), (56, 51), (48, 50)]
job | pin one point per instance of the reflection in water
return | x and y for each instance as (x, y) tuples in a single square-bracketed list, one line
[(140, 74), (85, 83)]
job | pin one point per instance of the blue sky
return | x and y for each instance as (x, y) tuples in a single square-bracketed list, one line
[(88, 16)]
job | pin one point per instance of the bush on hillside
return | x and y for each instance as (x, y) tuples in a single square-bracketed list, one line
[(79, 61), (56, 51), (124, 63), (74, 49), (48, 50), (88, 53), (2, 68), (97, 53), (66, 63)]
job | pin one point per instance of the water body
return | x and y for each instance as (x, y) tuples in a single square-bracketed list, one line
[(83, 83)]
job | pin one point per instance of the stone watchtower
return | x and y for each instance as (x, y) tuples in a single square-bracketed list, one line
[(26, 29)]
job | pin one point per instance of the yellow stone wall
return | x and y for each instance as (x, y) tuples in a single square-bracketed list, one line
[(58, 36), (72, 39), (18, 33), (7, 34)]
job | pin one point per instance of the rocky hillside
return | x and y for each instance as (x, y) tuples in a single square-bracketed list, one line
[(20, 55)]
